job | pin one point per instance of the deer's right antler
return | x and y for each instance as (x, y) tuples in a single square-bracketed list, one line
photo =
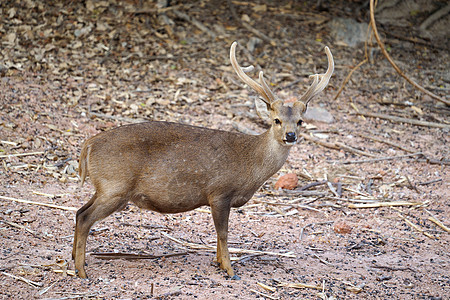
[(318, 86), (261, 88)]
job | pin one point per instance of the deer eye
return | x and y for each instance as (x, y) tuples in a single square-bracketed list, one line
[(277, 121), (299, 123)]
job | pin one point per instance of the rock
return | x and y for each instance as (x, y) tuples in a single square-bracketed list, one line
[(348, 32), (288, 182), (342, 227), (253, 43), (318, 114)]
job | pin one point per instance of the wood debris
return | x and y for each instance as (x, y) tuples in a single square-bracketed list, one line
[(416, 227), (205, 247)]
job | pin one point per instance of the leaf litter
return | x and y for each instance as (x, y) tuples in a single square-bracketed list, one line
[(71, 70)]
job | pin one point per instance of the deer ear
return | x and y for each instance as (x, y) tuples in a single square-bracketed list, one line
[(262, 109)]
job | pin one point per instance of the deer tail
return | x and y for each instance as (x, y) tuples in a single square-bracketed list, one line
[(83, 162)]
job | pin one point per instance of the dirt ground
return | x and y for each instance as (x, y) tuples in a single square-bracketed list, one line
[(368, 219)]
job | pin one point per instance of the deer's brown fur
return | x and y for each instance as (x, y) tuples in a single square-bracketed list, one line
[(171, 168)]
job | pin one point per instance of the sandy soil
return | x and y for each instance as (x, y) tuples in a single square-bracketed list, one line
[(70, 70)]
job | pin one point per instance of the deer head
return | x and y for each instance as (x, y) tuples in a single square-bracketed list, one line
[(286, 118)]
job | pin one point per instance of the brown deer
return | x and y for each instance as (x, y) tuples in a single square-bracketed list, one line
[(171, 168)]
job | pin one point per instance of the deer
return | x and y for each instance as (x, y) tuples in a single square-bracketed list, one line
[(172, 168)]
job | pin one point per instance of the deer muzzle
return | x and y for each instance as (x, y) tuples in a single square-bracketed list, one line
[(291, 138)]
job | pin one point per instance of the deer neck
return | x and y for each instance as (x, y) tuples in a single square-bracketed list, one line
[(270, 154)]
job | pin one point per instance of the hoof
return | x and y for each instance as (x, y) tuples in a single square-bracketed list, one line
[(81, 274), (235, 277)]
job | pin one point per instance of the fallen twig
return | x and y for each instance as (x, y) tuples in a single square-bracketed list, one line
[(403, 120), (289, 204), (384, 204), (412, 185), (430, 181), (383, 140), (231, 250), (113, 117), (391, 61), (20, 227), (131, 256), (68, 272), (312, 224), (27, 281), (22, 154), (85, 295), (310, 185), (264, 295), (258, 33), (381, 158), (435, 16), (336, 145), (321, 260), (393, 268), (266, 287), (39, 203), (348, 77), (194, 22), (174, 292), (437, 222), (45, 290), (300, 285), (246, 25), (416, 227)]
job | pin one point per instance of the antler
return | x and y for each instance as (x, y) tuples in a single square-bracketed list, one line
[(261, 88), (318, 86)]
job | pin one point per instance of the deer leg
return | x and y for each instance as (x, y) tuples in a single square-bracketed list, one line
[(80, 211), (95, 210), (221, 212)]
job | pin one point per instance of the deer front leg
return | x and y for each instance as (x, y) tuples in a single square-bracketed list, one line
[(220, 212)]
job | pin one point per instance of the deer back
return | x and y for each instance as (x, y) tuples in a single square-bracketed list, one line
[(178, 166)]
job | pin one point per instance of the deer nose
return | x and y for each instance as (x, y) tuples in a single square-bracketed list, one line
[(291, 137)]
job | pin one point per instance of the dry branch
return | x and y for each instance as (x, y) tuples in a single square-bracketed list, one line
[(68, 272), (247, 25), (416, 227), (380, 140), (384, 204), (336, 145), (27, 281), (231, 250), (39, 203), (258, 33), (266, 287), (391, 61), (435, 16), (381, 158), (264, 295), (348, 77), (21, 154), (437, 222), (393, 268), (300, 285), (404, 120), (194, 22), (289, 204), (131, 256), (321, 259), (12, 224)]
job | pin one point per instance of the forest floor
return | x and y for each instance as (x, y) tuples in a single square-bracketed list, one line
[(369, 218)]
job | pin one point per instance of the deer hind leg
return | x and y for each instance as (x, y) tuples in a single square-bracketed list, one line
[(221, 212), (98, 208), (80, 211)]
